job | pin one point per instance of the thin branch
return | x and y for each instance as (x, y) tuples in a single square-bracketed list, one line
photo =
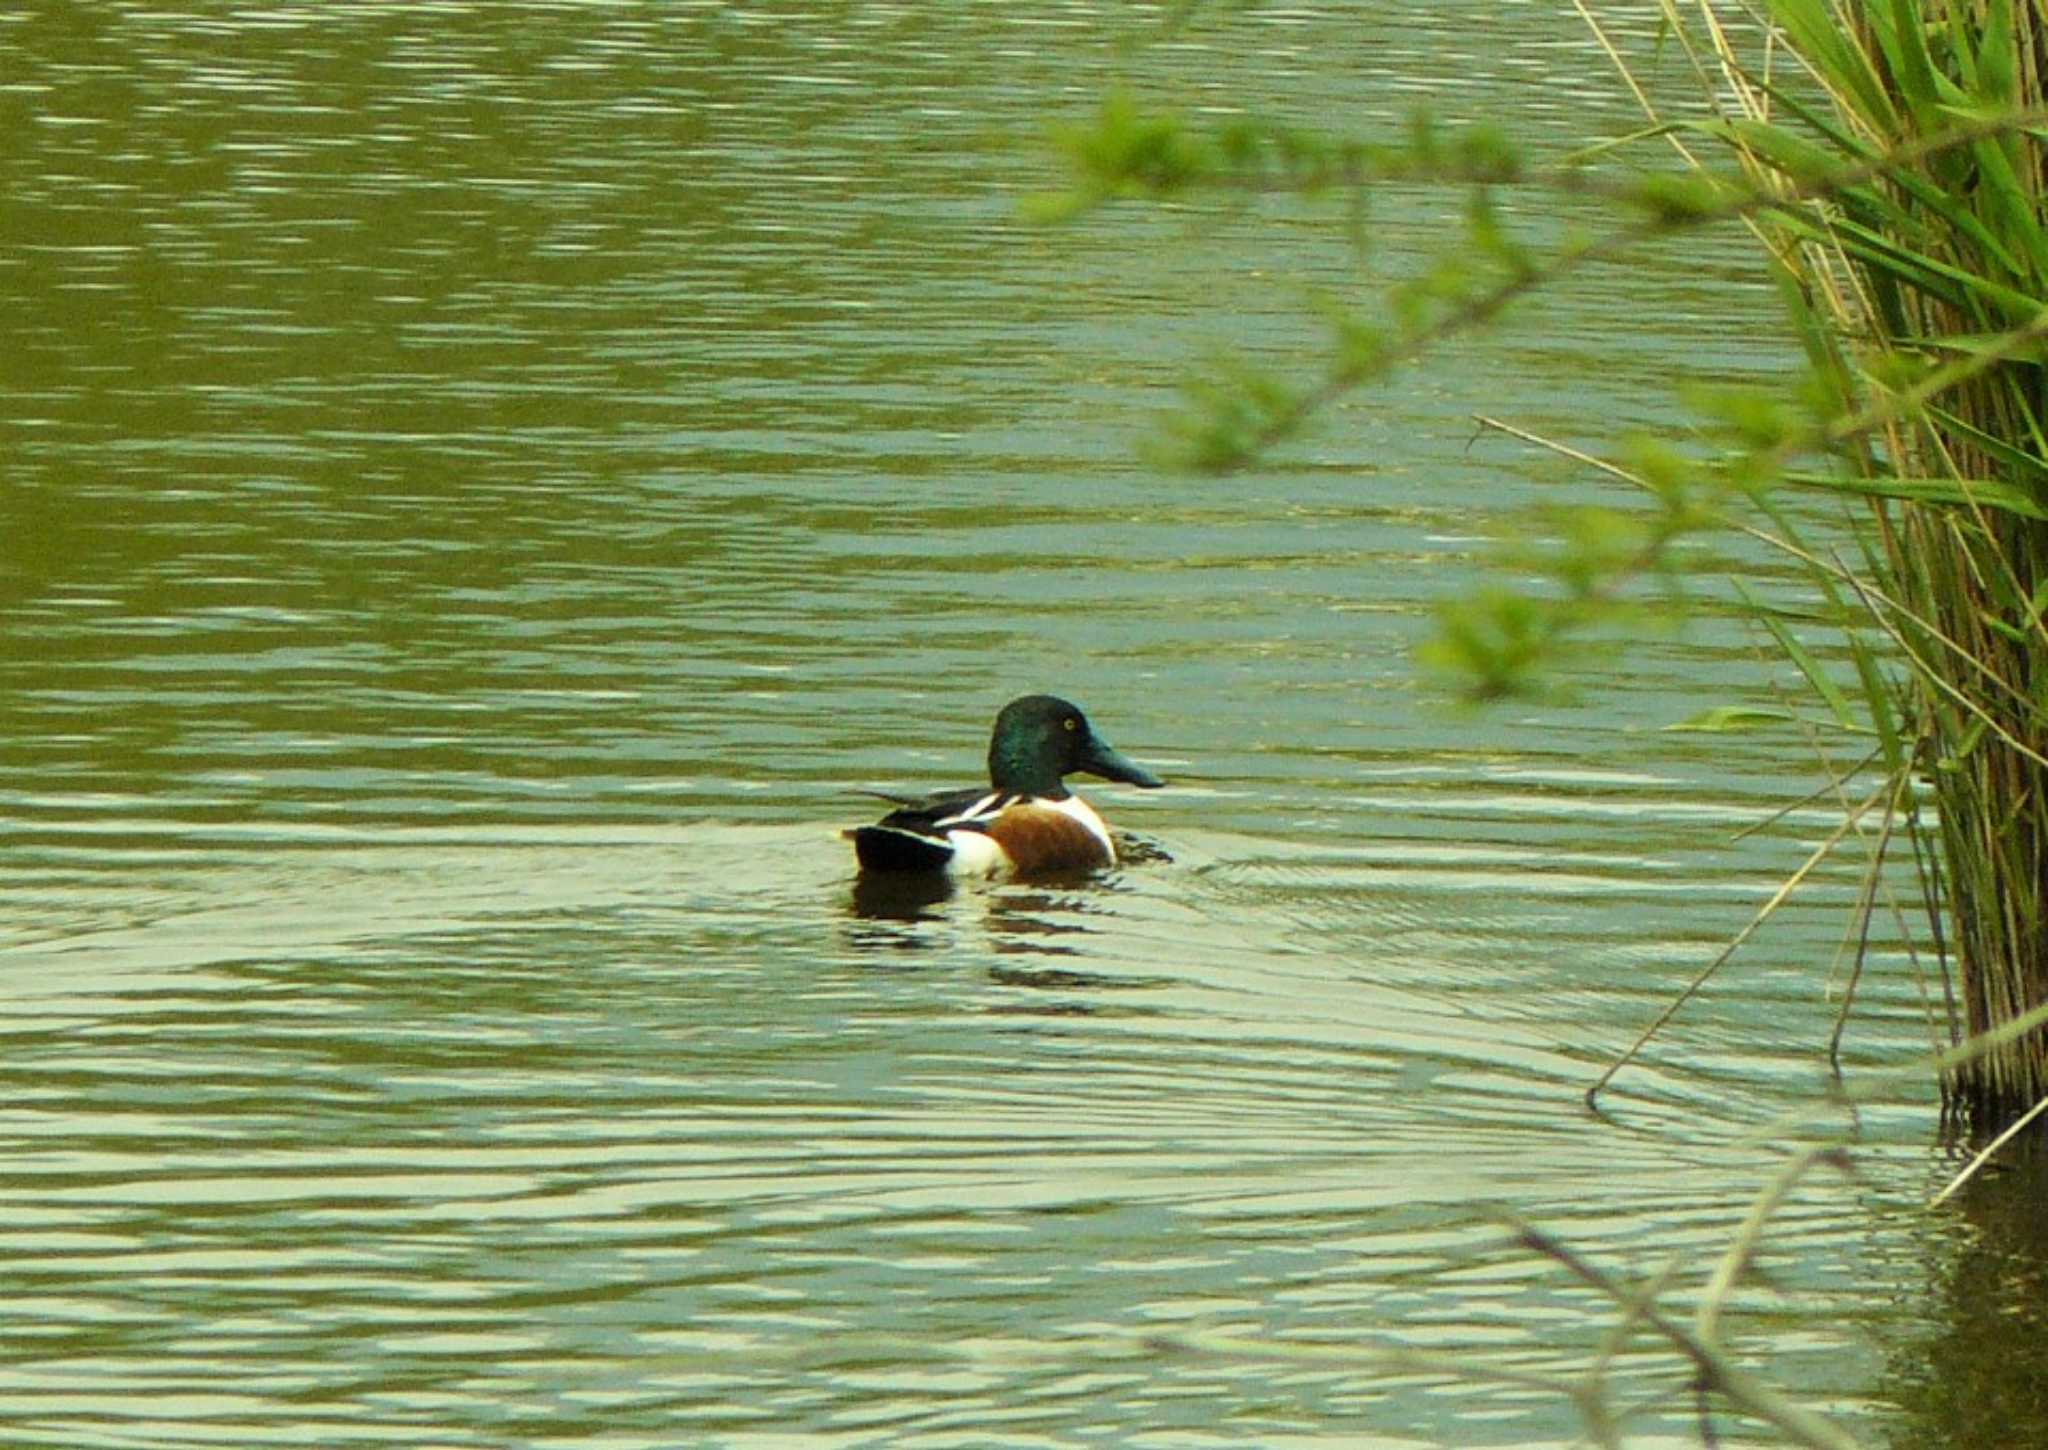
[(1928, 862), (1927, 672), (1984, 1156), (1839, 571), (1691, 989), (1712, 1365), (1833, 786), (1742, 1252), (1745, 203), (1866, 908)]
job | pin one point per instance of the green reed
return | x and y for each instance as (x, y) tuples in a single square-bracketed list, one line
[(1920, 287)]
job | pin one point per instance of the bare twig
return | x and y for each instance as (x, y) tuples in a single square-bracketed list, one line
[(1711, 1364), (1984, 1155), (1785, 889), (1866, 908)]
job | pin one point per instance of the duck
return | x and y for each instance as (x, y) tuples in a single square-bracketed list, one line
[(1025, 822)]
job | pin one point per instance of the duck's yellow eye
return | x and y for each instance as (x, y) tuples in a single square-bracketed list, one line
[(1070, 722)]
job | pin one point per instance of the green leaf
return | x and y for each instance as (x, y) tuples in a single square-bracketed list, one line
[(1826, 688), (1824, 43), (1904, 43), (1997, 68), (1965, 744), (1728, 719), (1877, 695), (1806, 162), (1990, 493), (2022, 463), (1928, 274)]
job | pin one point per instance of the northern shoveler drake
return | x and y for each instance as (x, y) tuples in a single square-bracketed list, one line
[(1028, 822)]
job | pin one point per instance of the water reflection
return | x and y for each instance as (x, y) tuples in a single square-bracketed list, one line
[(1973, 1372), (1053, 979), (1016, 917), (899, 896)]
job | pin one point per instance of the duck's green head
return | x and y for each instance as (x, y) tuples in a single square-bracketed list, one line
[(1041, 738)]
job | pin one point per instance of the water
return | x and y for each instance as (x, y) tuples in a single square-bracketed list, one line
[(487, 484)]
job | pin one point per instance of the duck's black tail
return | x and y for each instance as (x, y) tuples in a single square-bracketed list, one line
[(885, 848)]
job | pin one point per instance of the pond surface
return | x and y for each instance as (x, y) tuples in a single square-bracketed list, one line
[(487, 485)]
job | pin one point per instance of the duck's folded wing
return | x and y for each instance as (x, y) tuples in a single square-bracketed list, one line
[(917, 835), (953, 810)]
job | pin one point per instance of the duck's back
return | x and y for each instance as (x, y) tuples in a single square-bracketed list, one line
[(915, 836)]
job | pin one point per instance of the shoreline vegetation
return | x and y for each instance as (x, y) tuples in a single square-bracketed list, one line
[(1887, 156)]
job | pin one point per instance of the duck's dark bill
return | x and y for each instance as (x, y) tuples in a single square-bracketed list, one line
[(1102, 759)]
